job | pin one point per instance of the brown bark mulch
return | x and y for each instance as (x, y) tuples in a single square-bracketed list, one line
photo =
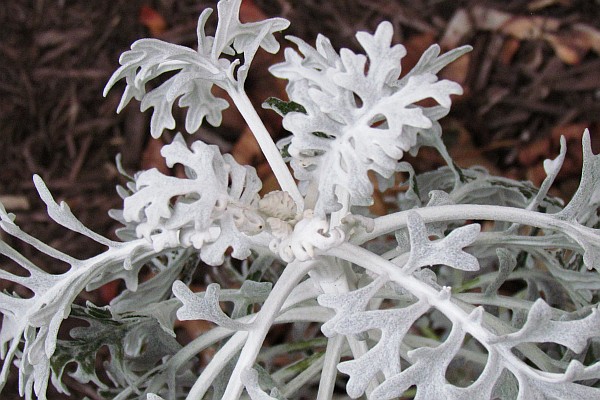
[(532, 76)]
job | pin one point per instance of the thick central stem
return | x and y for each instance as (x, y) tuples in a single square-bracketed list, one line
[(288, 280), (270, 150)]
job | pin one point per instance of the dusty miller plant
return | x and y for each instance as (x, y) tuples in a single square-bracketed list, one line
[(422, 302)]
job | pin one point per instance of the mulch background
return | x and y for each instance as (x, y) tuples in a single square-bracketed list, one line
[(532, 76)]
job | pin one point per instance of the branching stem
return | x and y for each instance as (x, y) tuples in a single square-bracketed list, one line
[(436, 299), (392, 222), (288, 280)]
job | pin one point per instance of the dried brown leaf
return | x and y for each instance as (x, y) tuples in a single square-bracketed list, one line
[(246, 150), (592, 35), (509, 49), (537, 5), (488, 19), (457, 72), (458, 28), (569, 46), (152, 20), (529, 27)]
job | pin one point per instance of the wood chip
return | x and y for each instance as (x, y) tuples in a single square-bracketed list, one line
[(15, 202), (458, 28)]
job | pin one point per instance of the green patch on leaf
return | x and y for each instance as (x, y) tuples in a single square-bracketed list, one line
[(135, 344), (284, 151), (283, 107), (303, 364), (323, 135), (461, 175)]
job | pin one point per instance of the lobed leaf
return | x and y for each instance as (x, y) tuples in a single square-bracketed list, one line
[(352, 317), (588, 192), (428, 372), (212, 209), (36, 320), (135, 345), (197, 70), (447, 251), (357, 118), (203, 308), (542, 327), (250, 380)]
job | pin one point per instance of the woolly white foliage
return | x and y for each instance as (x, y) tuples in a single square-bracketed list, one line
[(36, 320), (309, 234), (540, 327), (207, 307), (586, 197), (428, 365), (447, 251), (428, 372), (198, 69), (250, 379), (209, 210), (358, 117), (351, 318), (349, 114)]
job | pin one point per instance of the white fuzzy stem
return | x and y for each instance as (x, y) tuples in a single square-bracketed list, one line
[(436, 299), (216, 365), (329, 373), (334, 277), (288, 280), (393, 222), (270, 150)]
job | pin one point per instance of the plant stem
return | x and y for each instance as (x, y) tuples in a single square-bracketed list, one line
[(306, 314), (398, 220), (190, 350), (329, 372), (288, 280), (216, 365), (337, 277), (303, 378), (270, 150), (454, 312)]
